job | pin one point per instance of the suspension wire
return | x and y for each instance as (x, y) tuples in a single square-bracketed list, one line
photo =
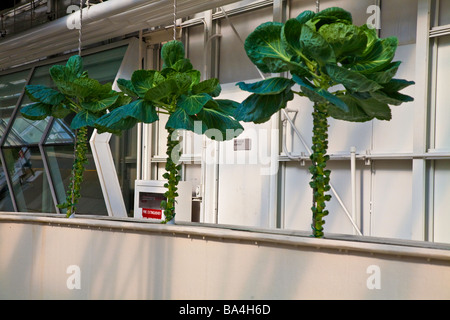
[(80, 32), (174, 19), (317, 6)]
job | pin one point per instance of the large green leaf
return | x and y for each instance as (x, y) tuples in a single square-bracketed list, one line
[(380, 55), (141, 110), (209, 86), (44, 94), (374, 108), (224, 106), (126, 86), (60, 75), (305, 16), (182, 65), (315, 47), (320, 95), (265, 49), (259, 108), (180, 120), (372, 38), (395, 85), (345, 39), (83, 118), (195, 76), (384, 76), (99, 105), (75, 65), (183, 82), (361, 109), (393, 98), (219, 126), (60, 111), (354, 114), (171, 53), (115, 122), (352, 80), (390, 92), (36, 111), (290, 36), (268, 86), (161, 91), (192, 104), (87, 88), (143, 80), (331, 15), (64, 74)]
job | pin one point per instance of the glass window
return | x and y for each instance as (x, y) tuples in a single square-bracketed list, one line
[(24, 131), (11, 88), (22, 146), (103, 66), (29, 179), (60, 159)]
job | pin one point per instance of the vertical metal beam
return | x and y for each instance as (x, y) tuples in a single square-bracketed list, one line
[(419, 180), (279, 15)]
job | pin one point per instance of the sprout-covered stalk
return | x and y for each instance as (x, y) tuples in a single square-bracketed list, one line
[(320, 176), (76, 177), (173, 177)]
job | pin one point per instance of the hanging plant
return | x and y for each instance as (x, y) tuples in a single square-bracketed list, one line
[(345, 70), (73, 93), (177, 91)]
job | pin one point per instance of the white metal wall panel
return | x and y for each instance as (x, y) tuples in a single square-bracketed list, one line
[(244, 175), (396, 135), (195, 46), (391, 202), (442, 134), (234, 63), (399, 18), (297, 199), (441, 201)]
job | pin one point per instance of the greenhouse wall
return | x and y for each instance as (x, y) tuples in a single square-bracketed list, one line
[(105, 258)]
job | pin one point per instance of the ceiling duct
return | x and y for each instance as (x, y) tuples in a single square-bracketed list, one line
[(102, 21)]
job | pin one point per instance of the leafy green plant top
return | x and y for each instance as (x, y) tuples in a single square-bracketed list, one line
[(176, 90), (334, 62), (345, 70), (73, 93), (191, 104)]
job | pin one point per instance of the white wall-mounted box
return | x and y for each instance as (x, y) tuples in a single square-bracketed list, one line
[(150, 193)]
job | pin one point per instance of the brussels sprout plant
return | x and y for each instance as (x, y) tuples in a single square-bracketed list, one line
[(176, 91), (344, 69), (74, 93)]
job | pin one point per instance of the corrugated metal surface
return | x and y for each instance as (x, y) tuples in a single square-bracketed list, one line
[(101, 22)]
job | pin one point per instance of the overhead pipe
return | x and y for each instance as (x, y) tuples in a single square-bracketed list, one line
[(52, 37)]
